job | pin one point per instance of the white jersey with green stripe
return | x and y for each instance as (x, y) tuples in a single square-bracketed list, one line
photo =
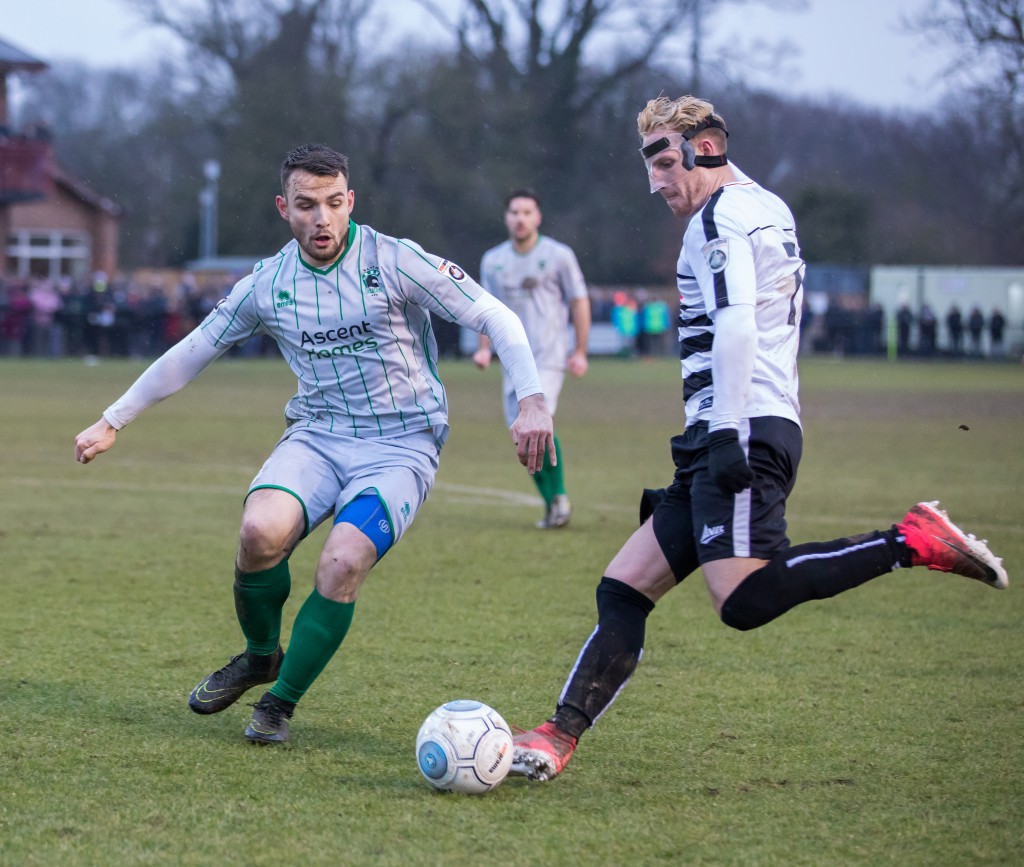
[(539, 286), (357, 334)]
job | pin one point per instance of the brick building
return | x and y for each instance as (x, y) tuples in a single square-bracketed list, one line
[(51, 223)]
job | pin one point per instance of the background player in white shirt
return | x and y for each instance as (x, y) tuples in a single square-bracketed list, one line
[(739, 277), (540, 279), (350, 310)]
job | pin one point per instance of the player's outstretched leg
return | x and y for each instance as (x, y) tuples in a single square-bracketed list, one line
[(269, 723), (603, 668), (227, 685), (936, 542), (542, 753)]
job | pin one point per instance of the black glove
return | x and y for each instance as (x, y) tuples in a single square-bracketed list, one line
[(727, 463)]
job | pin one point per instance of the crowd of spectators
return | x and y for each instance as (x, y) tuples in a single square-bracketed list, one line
[(926, 341), (858, 329), (98, 318), (121, 318)]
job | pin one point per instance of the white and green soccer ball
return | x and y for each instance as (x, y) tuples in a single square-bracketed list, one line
[(464, 746)]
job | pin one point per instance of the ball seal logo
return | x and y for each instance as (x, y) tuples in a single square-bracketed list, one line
[(452, 270)]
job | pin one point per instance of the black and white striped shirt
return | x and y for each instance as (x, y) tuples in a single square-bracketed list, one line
[(741, 248)]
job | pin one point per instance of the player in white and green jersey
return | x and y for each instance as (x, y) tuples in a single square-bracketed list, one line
[(540, 279), (350, 311)]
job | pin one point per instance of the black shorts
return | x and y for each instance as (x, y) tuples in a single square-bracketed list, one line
[(696, 522)]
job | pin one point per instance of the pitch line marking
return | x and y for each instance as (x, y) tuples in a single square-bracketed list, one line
[(450, 492)]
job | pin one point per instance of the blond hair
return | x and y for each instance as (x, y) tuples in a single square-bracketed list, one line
[(679, 115)]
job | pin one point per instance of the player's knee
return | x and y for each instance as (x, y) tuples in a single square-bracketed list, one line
[(263, 539), (345, 565), (757, 600), (342, 570), (738, 616)]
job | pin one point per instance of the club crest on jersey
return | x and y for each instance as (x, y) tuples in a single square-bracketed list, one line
[(717, 254), (452, 270), (371, 280), (284, 299)]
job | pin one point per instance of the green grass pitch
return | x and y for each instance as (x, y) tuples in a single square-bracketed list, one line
[(882, 727)]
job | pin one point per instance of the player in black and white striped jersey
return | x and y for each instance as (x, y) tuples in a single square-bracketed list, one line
[(740, 285)]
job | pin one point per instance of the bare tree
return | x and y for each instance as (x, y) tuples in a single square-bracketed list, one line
[(990, 30), (283, 72), (990, 37), (537, 46)]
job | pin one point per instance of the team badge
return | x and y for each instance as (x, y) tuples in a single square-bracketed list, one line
[(717, 254), (371, 280), (452, 270)]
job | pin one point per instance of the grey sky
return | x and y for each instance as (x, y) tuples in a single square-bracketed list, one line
[(851, 50)]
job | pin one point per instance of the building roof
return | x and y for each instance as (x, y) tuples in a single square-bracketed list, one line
[(13, 59), (82, 191)]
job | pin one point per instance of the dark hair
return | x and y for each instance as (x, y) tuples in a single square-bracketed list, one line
[(317, 159), (522, 193)]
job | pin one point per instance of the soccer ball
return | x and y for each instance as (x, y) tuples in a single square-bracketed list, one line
[(464, 746)]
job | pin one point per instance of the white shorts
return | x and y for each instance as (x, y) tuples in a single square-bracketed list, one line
[(550, 383), (325, 471)]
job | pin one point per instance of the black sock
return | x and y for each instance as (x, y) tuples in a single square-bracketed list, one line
[(608, 659), (816, 570)]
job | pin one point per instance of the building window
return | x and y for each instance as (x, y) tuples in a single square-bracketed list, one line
[(48, 254)]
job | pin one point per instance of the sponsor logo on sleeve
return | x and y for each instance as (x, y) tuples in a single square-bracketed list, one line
[(717, 254), (452, 270)]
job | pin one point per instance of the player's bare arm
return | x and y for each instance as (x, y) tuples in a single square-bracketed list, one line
[(94, 440), (533, 433), (577, 363), (482, 356)]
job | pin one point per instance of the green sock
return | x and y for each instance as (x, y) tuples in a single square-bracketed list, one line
[(259, 598), (320, 627), (550, 480)]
